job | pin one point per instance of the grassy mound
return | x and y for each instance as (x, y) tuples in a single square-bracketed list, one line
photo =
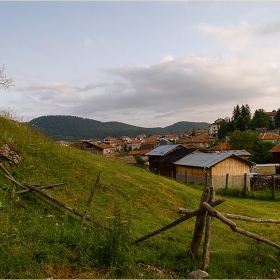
[(38, 241)]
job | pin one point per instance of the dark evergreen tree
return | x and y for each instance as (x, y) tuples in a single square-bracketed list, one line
[(240, 123), (225, 128), (236, 112), (245, 111)]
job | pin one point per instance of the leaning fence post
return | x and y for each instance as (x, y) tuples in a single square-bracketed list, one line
[(206, 248), (90, 198), (199, 224)]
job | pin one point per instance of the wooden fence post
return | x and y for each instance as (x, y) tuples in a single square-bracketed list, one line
[(206, 179), (245, 184), (186, 176), (199, 224), (226, 188), (206, 248), (90, 198)]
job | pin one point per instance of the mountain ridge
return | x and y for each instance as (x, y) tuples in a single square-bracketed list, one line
[(73, 128)]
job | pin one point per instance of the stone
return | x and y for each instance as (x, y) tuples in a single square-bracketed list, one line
[(197, 274)]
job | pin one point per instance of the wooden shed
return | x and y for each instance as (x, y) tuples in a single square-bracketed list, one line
[(216, 170), (162, 158)]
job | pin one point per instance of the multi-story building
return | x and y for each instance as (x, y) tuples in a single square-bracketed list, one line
[(214, 128)]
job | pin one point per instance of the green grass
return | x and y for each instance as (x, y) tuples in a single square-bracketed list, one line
[(132, 201)]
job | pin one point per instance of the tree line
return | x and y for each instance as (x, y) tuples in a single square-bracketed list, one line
[(240, 131), (242, 120), (72, 128)]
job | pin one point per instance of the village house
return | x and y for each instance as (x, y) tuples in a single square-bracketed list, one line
[(224, 147), (165, 141), (214, 169), (111, 141), (201, 141), (275, 151), (125, 138), (172, 137), (133, 145), (120, 146), (220, 147), (199, 132), (63, 143), (268, 136), (97, 149), (272, 116), (149, 145), (214, 128), (141, 153)]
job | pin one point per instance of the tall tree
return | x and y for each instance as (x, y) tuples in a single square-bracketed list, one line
[(241, 117), (224, 128), (261, 119), (245, 111), (249, 140), (236, 112), (243, 140)]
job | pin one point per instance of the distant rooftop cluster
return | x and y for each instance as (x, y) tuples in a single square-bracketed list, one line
[(142, 145)]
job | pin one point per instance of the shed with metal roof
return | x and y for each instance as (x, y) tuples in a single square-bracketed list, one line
[(216, 169)]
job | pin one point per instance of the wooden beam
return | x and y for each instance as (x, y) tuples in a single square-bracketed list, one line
[(178, 221), (233, 226)]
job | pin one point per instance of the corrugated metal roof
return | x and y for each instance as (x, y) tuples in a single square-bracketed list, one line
[(236, 152), (202, 160), (162, 150), (174, 155)]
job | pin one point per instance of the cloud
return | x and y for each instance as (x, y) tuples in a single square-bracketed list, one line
[(87, 43), (232, 35), (271, 28), (167, 58), (186, 88), (191, 87)]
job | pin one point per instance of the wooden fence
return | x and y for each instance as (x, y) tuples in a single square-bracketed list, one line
[(204, 214)]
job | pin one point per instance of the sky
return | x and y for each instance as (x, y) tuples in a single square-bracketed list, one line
[(149, 64)]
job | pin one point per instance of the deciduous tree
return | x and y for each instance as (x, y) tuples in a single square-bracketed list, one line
[(249, 140), (261, 119), (4, 81)]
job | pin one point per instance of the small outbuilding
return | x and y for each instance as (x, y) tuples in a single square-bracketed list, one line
[(162, 158), (214, 169)]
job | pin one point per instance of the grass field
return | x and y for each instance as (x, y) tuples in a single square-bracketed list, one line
[(38, 241)]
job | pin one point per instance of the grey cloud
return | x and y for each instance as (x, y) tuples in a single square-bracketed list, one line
[(184, 88), (270, 28)]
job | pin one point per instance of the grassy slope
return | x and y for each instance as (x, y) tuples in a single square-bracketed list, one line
[(34, 246)]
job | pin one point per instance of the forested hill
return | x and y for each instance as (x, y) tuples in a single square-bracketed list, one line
[(70, 128)]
